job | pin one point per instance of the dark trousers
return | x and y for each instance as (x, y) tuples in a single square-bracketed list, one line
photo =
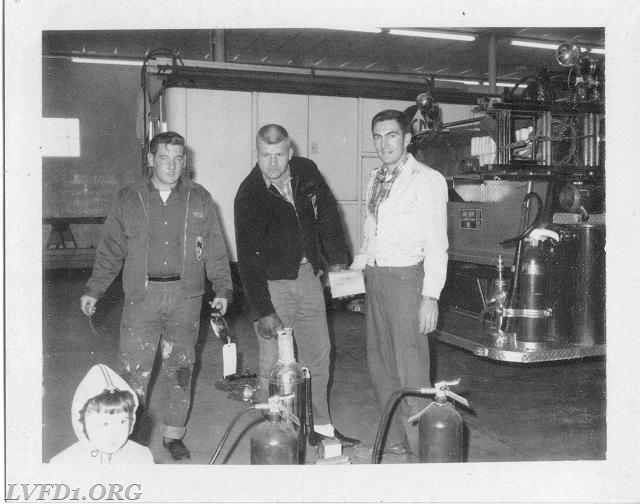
[(167, 319), (300, 305), (397, 355)]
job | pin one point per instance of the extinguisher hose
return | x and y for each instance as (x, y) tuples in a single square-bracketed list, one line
[(227, 432), (308, 424), (534, 223), (376, 454)]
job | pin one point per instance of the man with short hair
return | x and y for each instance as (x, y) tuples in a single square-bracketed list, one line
[(283, 209), (165, 231), (405, 246)]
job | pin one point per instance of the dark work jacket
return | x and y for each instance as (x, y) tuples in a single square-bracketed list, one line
[(272, 236), (125, 241)]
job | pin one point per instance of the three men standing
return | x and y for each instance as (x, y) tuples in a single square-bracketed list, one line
[(165, 231)]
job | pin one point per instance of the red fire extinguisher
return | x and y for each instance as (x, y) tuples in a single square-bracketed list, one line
[(440, 428)]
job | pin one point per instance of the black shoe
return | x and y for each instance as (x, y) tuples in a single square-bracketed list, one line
[(177, 449), (315, 438)]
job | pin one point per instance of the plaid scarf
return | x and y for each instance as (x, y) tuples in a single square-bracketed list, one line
[(382, 187)]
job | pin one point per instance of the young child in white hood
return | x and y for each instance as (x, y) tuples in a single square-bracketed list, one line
[(103, 412)]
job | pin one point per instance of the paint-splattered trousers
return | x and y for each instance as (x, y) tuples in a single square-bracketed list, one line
[(167, 319)]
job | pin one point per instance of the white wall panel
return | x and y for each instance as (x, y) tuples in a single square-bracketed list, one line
[(350, 214), (219, 141), (333, 142), (289, 111), (176, 109)]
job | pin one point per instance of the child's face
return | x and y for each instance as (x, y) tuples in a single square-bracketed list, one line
[(107, 432)]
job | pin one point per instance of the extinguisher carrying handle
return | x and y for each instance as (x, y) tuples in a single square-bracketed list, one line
[(441, 389), (443, 386)]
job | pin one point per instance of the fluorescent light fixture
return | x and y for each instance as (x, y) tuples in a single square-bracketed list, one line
[(432, 34), (550, 45), (470, 82), (107, 61), (359, 29), (501, 84), (459, 81), (538, 45)]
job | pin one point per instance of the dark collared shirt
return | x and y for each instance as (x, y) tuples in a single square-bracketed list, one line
[(166, 230)]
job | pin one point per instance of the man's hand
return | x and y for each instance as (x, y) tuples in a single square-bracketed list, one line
[(428, 315), (88, 305), (337, 267), (220, 304), (267, 326)]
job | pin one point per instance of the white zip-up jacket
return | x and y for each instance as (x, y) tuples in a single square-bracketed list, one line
[(412, 225)]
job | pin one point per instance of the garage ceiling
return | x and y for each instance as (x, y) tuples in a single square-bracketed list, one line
[(339, 49)]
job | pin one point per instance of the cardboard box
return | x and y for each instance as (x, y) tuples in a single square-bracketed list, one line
[(329, 448), (346, 283)]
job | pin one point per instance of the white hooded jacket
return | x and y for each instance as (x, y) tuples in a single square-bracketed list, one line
[(99, 378)]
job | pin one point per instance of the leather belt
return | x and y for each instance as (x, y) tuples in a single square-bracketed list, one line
[(172, 278)]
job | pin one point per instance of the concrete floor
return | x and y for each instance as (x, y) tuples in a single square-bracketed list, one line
[(535, 412)]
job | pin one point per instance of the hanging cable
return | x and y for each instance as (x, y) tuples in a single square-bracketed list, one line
[(376, 454)]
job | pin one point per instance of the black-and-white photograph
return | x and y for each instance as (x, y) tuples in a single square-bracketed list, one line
[(391, 240)]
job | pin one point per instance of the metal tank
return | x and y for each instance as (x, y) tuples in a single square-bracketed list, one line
[(287, 377), (288, 380), (440, 431), (579, 278), (275, 441)]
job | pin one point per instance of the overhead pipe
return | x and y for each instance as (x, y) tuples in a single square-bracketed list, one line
[(493, 64)]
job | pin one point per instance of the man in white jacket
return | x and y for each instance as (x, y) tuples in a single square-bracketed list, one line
[(405, 248), (103, 413)]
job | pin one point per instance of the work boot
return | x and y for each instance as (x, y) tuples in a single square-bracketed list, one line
[(177, 448)]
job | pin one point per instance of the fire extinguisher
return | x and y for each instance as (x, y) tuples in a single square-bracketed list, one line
[(440, 427), (289, 408), (533, 292), (275, 440), (289, 379)]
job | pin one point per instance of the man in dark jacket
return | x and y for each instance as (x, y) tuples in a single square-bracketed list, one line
[(165, 232), (283, 209)]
